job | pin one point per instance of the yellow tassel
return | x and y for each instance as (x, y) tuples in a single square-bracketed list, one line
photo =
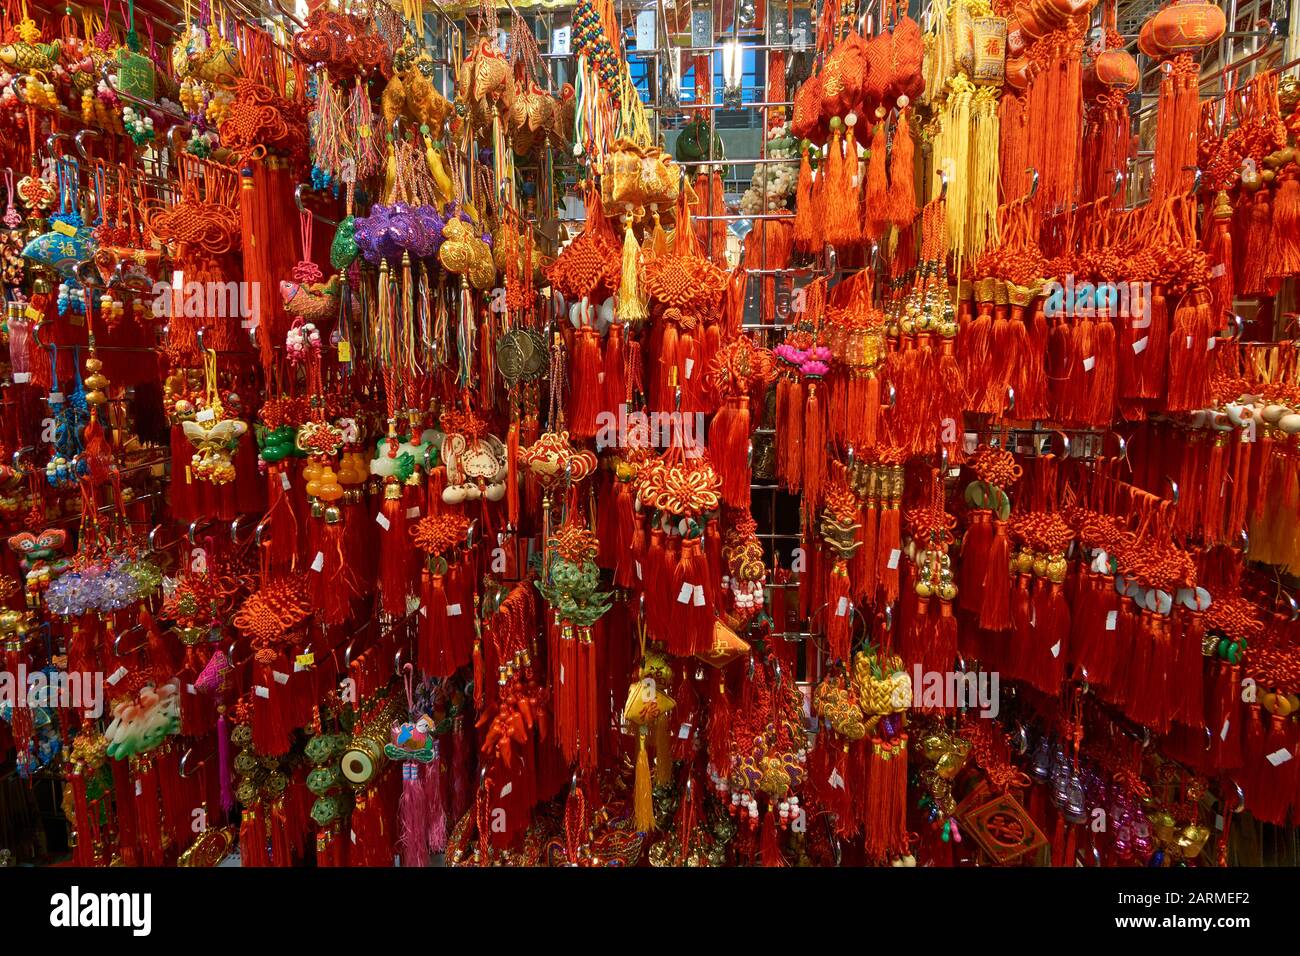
[(630, 306), (982, 196), (643, 816), (663, 753)]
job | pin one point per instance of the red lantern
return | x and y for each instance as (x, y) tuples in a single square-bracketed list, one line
[(1116, 69), (1183, 27)]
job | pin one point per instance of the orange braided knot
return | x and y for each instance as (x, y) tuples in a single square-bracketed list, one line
[(995, 466), (437, 534), (684, 488), (741, 368), (269, 614), (1235, 617)]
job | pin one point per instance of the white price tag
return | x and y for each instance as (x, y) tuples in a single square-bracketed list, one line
[(1089, 363), (507, 790), (1223, 732), (22, 378), (116, 676), (1279, 757), (280, 677), (381, 519), (684, 731), (894, 555), (690, 367), (1140, 345), (686, 593), (206, 415), (842, 608), (284, 480), (261, 691), (1112, 618), (453, 610), (560, 40), (55, 397), (139, 788), (318, 563), (191, 689), (413, 512), (645, 30), (1210, 343), (1056, 649), (638, 569), (699, 596), (835, 780)]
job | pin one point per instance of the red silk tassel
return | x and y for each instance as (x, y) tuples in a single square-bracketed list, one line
[(995, 603), (902, 186), (841, 226), (807, 224), (839, 612), (876, 205), (1284, 239), (270, 702), (252, 838), (729, 452), (1188, 353), (884, 830), (770, 849), (394, 553), (888, 551), (585, 393), (789, 432), (434, 647), (814, 449)]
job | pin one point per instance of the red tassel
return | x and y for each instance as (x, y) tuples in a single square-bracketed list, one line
[(689, 609), (770, 850), (729, 450), (885, 828), (807, 226), (814, 449), (995, 604), (271, 701), (585, 393), (839, 612), (902, 187), (394, 553), (841, 226), (876, 205), (252, 838)]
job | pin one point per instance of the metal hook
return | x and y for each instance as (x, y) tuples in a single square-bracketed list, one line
[(302, 207), (1033, 183), (1173, 486), (120, 651), (195, 525), (1119, 183), (1196, 181), (185, 769), (1011, 398), (79, 141)]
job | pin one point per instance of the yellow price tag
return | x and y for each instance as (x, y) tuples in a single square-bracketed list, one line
[(345, 350), (33, 314), (65, 229), (305, 660)]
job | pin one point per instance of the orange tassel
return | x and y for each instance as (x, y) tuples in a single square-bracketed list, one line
[(902, 186), (876, 205)]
